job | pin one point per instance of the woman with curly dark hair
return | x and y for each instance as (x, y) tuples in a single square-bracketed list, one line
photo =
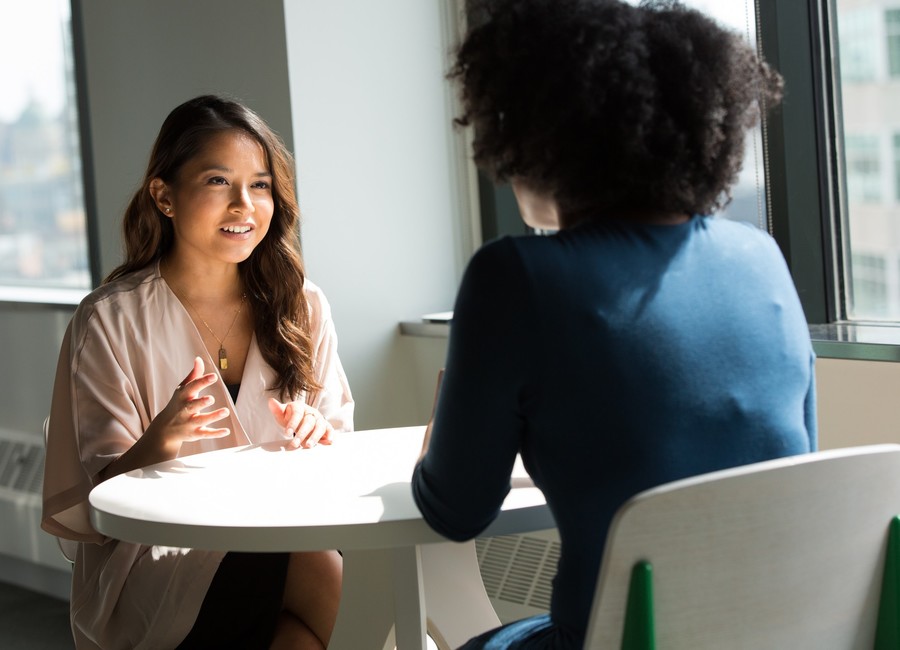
[(213, 286), (645, 341)]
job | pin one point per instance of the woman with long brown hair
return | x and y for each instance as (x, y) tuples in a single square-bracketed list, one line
[(207, 336)]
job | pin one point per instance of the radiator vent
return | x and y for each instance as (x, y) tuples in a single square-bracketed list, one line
[(22, 464), (21, 485), (518, 568)]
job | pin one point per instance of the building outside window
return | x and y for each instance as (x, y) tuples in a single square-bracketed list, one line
[(895, 150), (859, 60), (870, 284), (43, 231), (869, 81), (863, 166), (892, 29)]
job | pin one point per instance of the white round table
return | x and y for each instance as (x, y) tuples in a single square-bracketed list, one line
[(355, 496)]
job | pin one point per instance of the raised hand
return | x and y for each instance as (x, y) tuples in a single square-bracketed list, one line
[(182, 420)]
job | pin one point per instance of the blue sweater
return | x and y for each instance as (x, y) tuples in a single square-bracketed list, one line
[(614, 357)]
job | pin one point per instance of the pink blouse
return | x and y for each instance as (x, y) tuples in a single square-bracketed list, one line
[(127, 347)]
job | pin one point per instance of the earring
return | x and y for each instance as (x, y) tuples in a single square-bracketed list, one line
[(168, 210)]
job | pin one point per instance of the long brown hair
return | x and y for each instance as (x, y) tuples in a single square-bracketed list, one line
[(273, 275)]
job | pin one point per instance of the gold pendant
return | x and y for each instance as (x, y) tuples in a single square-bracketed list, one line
[(223, 359)]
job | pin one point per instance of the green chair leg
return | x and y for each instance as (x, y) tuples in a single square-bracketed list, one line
[(887, 634), (638, 632)]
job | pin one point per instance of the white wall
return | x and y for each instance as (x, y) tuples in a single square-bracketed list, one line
[(144, 57), (385, 229), (858, 402)]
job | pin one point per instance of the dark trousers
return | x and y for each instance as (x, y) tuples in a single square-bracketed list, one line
[(241, 608)]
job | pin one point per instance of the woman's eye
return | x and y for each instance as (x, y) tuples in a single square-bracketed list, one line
[(217, 180), (261, 185)]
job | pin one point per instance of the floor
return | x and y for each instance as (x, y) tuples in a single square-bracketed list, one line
[(32, 621)]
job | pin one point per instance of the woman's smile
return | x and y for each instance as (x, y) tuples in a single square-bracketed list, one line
[(226, 190)]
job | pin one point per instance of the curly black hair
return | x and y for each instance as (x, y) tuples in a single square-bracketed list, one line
[(610, 108)]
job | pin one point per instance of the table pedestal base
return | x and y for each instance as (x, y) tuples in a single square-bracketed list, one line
[(398, 594)]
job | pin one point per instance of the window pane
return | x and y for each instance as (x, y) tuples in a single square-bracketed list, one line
[(869, 68), (859, 60), (863, 168), (43, 237), (748, 196), (892, 28), (870, 284)]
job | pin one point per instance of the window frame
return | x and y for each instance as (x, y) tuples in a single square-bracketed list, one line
[(67, 297), (85, 139), (807, 203)]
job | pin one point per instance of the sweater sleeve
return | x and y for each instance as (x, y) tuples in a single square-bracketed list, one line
[(463, 479)]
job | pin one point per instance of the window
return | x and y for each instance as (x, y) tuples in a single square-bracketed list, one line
[(43, 231), (748, 196), (896, 169), (859, 60), (863, 168), (868, 112), (870, 283), (892, 25)]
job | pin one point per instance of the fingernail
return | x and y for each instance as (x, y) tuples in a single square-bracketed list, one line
[(290, 433)]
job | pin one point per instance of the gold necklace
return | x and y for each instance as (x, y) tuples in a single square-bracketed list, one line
[(223, 355)]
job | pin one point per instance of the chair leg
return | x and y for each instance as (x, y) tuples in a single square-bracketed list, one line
[(887, 633), (638, 632)]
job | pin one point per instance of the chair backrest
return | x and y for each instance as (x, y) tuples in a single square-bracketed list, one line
[(67, 547), (786, 553)]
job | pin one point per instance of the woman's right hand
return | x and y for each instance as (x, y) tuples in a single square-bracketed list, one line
[(182, 420)]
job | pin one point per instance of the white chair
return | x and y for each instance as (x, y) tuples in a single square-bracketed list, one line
[(784, 554)]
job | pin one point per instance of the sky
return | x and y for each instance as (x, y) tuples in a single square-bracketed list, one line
[(31, 63)]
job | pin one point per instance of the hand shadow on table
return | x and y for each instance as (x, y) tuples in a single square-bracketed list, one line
[(153, 471), (274, 445), (180, 466)]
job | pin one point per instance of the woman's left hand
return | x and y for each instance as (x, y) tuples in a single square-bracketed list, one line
[(302, 423)]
